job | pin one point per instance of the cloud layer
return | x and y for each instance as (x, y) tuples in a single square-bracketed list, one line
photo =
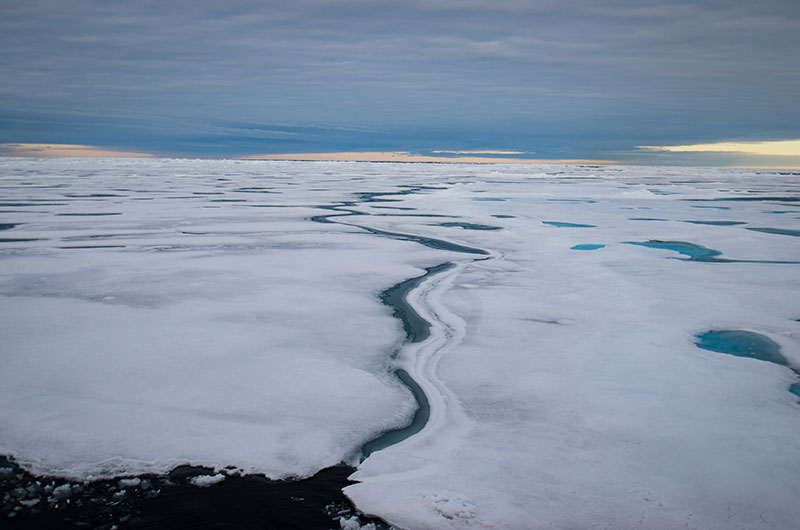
[(567, 79)]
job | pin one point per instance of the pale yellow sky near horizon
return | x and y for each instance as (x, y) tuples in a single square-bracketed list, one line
[(782, 154), (769, 148)]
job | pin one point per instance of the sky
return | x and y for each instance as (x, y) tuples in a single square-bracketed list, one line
[(607, 80)]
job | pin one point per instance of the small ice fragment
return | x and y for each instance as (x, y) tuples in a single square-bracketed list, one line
[(130, 482), (30, 503), (204, 481), (354, 524), (62, 492)]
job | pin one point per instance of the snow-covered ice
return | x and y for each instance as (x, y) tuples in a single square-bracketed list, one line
[(205, 318), (204, 481)]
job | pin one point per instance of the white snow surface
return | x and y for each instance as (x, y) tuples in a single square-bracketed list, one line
[(566, 391)]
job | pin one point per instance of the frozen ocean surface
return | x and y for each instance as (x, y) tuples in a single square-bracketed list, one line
[(227, 313)]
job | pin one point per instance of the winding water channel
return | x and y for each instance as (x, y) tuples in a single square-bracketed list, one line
[(172, 500), (417, 328)]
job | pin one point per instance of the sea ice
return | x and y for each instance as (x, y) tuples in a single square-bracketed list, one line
[(205, 323)]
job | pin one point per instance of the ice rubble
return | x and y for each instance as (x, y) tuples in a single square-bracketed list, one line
[(566, 389)]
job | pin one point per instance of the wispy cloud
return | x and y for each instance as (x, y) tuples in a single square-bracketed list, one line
[(65, 150)]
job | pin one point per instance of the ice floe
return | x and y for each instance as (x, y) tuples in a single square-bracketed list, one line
[(204, 323)]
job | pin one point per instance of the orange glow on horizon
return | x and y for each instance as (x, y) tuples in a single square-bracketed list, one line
[(65, 151)]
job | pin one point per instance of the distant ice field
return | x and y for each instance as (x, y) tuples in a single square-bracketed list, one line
[(228, 313)]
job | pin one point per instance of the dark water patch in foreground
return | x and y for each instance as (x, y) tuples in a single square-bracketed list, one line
[(499, 216), (587, 246), (7, 226), (698, 252), (778, 231), (560, 224), (155, 502), (746, 344), (717, 223), (470, 226)]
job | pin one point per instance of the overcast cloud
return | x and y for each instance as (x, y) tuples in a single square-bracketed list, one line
[(567, 78)]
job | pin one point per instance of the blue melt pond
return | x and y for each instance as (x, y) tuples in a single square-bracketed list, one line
[(746, 344), (559, 224), (742, 344), (698, 252), (717, 223), (694, 252), (587, 246), (777, 231)]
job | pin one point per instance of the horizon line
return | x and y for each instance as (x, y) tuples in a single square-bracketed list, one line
[(406, 156)]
